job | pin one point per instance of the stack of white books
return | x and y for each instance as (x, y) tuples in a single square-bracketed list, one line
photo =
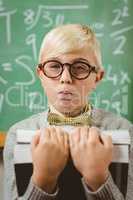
[(120, 138)]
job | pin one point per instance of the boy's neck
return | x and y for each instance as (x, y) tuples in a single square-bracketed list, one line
[(70, 114)]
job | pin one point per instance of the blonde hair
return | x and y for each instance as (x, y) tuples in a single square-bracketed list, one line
[(69, 38)]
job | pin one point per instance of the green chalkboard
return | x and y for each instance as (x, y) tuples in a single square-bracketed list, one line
[(22, 27)]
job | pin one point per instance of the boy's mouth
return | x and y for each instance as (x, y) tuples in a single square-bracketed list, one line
[(65, 92), (65, 95)]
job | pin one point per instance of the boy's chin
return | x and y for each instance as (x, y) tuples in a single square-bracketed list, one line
[(68, 110), (65, 108)]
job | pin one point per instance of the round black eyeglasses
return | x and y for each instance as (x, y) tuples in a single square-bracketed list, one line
[(78, 69)]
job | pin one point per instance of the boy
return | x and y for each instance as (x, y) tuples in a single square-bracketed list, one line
[(69, 165)]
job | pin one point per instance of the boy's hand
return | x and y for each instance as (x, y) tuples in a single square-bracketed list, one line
[(50, 153), (91, 155)]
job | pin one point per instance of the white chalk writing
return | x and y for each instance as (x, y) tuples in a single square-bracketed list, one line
[(7, 16)]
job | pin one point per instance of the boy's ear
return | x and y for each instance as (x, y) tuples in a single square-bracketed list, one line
[(100, 75), (39, 72)]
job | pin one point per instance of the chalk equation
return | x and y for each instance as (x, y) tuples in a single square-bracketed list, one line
[(44, 13), (117, 97), (21, 32)]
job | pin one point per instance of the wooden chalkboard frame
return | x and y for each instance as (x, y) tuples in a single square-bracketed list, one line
[(2, 139)]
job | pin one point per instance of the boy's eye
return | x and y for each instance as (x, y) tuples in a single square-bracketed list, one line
[(80, 67), (52, 65)]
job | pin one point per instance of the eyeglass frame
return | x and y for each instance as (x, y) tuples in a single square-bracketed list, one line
[(41, 66)]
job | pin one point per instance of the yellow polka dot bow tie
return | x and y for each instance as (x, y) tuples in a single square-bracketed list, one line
[(83, 119), (55, 119)]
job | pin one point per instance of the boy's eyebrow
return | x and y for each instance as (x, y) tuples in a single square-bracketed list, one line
[(80, 59), (76, 59)]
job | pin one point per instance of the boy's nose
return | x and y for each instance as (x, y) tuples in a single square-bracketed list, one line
[(66, 76)]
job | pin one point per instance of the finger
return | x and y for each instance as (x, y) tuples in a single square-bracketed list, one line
[(54, 134), (66, 140), (60, 134), (62, 137), (75, 136), (94, 134), (45, 135), (84, 133), (35, 140), (107, 140)]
